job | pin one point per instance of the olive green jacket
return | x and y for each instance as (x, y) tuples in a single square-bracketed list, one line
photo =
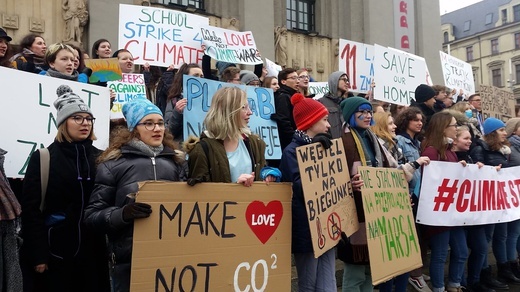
[(215, 166)]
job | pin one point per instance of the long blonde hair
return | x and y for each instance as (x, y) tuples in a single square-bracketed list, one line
[(380, 128), (223, 118)]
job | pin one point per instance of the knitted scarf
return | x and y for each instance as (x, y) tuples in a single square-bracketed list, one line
[(9, 207), (150, 151), (303, 135), (515, 140), (53, 73)]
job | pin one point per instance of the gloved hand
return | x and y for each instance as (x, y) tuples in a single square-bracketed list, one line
[(87, 71), (136, 210), (324, 139), (195, 180)]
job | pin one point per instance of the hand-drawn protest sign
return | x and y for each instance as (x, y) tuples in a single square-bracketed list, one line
[(328, 194), (398, 73), (230, 46), (213, 237), (131, 86), (393, 244), (104, 70), (199, 92), (457, 74), (161, 37), (357, 60), (454, 195), (497, 103), (28, 117), (272, 68), (319, 89)]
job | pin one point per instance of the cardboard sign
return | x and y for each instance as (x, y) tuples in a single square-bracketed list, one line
[(272, 68), (457, 74), (398, 74), (104, 70), (161, 37), (454, 195), (28, 116), (130, 87), (319, 89), (199, 92), (230, 46), (213, 237), (497, 103), (328, 194), (357, 60), (393, 244)]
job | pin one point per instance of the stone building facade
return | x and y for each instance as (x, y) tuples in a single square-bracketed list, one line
[(310, 29), (487, 35)]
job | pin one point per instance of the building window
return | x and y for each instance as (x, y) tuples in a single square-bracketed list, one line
[(516, 13), (497, 77), (489, 18), (446, 37), (494, 47), (504, 15), (467, 25), (300, 14), (517, 71), (469, 53), (198, 4), (517, 40)]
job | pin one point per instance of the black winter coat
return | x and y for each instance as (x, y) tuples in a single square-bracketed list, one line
[(115, 179), (284, 114), (482, 153), (72, 173), (301, 234)]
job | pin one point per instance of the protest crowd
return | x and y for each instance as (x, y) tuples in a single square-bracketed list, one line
[(67, 225)]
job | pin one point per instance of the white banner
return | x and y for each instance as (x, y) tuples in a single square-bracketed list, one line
[(230, 46), (28, 116), (454, 195), (159, 36), (131, 86), (404, 25), (319, 89), (272, 68), (457, 74), (357, 60), (398, 74)]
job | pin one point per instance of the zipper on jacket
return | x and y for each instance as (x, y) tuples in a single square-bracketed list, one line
[(154, 170)]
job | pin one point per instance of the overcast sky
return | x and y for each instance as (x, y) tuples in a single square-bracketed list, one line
[(451, 5)]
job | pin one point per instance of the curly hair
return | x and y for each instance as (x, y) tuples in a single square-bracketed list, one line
[(407, 115)]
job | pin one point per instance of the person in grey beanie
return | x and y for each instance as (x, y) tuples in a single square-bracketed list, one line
[(339, 84), (57, 244)]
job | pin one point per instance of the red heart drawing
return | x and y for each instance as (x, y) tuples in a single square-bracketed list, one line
[(264, 220)]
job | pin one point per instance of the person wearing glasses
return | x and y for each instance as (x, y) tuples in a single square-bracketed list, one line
[(362, 148), (476, 101), (143, 151), (303, 86), (227, 151), (283, 117), (437, 145), (338, 91), (56, 242)]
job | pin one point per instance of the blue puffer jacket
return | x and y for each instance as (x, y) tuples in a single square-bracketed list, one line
[(301, 234), (411, 152)]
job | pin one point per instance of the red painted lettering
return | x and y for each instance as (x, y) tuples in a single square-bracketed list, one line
[(462, 203), (404, 22), (514, 195), (402, 7), (405, 42)]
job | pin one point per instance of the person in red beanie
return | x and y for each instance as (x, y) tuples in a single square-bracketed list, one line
[(311, 118)]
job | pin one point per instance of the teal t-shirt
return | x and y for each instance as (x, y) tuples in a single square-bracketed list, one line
[(239, 161)]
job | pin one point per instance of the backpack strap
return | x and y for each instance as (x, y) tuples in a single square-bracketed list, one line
[(44, 172)]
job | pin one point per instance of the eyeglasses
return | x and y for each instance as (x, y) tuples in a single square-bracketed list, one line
[(452, 125), (80, 119), (303, 77), (475, 100), (150, 126), (345, 79), (293, 77), (366, 112), (254, 83)]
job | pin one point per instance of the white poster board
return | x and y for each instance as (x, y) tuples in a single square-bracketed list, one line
[(319, 89), (230, 46), (357, 60), (28, 116), (398, 73), (457, 74), (161, 37), (130, 87), (272, 68)]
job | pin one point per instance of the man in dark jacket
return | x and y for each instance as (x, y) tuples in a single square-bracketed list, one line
[(288, 79), (338, 90), (424, 100)]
